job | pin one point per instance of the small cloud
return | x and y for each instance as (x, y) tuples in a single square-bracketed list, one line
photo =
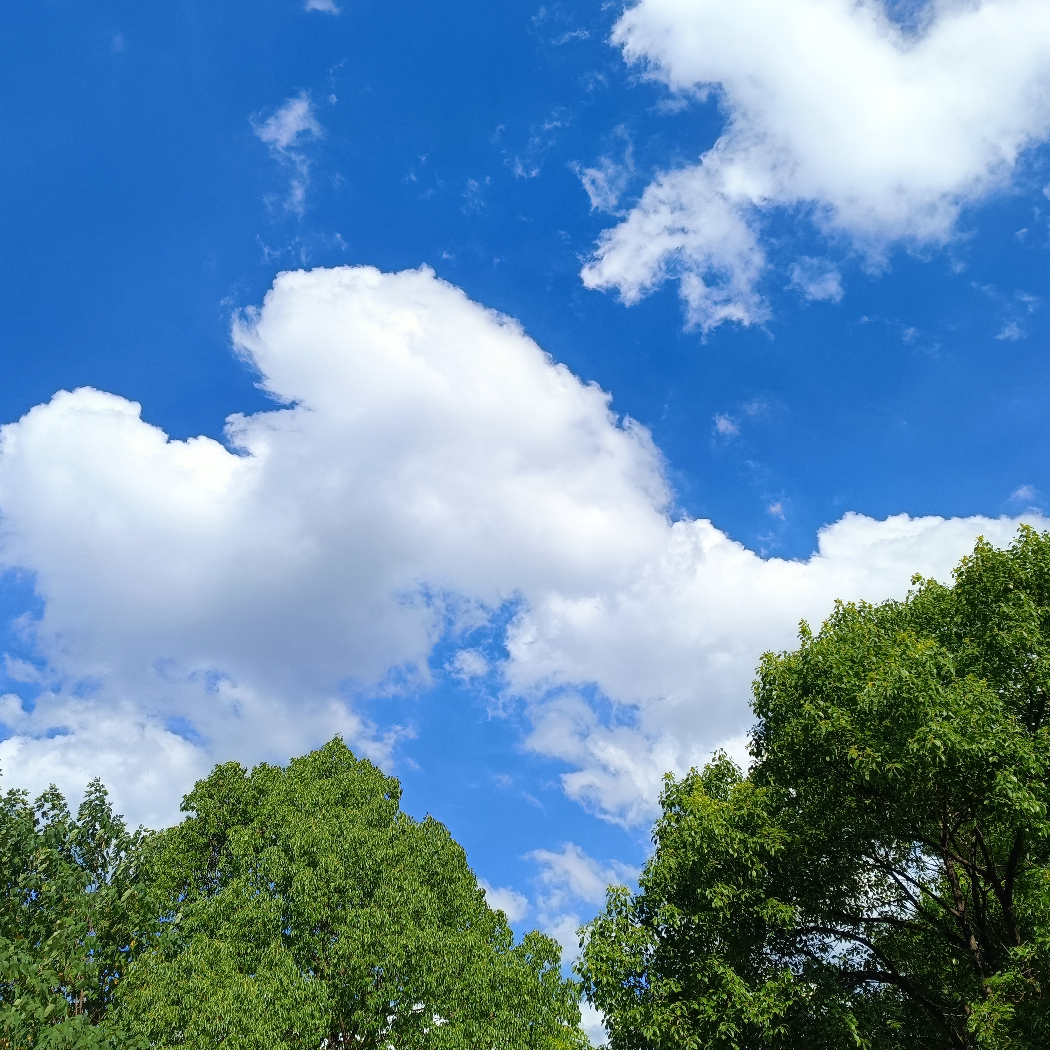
[(1030, 301), (513, 904), (283, 132), (1022, 233), (283, 129), (776, 509), (327, 6), (474, 194), (565, 929), (669, 106), (22, 671), (909, 335), (11, 710), (1027, 497), (578, 34), (605, 183), (1011, 332), (593, 1023), (726, 425), (467, 664), (572, 874), (523, 170), (116, 43), (816, 279)]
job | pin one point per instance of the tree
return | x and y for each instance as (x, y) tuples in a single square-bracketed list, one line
[(302, 908), (72, 918), (881, 876)]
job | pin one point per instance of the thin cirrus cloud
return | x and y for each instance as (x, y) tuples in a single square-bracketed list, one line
[(427, 468), (285, 132), (879, 133)]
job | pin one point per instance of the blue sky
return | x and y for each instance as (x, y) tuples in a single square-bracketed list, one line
[(840, 309)]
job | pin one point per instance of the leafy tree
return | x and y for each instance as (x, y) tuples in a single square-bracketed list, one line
[(881, 876), (302, 908), (71, 919)]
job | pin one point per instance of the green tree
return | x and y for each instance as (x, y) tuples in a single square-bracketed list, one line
[(72, 916), (881, 876), (302, 908)]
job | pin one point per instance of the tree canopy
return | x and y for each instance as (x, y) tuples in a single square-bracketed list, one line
[(294, 907), (880, 877), (72, 918)]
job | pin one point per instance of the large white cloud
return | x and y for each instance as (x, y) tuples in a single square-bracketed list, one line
[(880, 135), (426, 464)]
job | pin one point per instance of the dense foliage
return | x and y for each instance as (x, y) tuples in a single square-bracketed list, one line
[(72, 918), (881, 876), (294, 907)]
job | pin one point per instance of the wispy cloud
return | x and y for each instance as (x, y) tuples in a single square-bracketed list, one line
[(726, 425), (285, 132), (606, 181), (816, 279), (328, 6)]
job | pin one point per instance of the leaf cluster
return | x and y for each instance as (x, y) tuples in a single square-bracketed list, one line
[(72, 919)]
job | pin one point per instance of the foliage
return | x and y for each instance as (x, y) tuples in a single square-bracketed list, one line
[(302, 908), (881, 877), (71, 919)]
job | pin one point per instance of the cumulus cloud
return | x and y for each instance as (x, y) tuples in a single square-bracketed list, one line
[(427, 467), (513, 904), (879, 131), (284, 132)]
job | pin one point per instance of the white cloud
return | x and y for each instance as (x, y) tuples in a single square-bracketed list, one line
[(1011, 332), (605, 184), (428, 465), (593, 1024), (328, 6), (289, 124), (568, 878), (881, 135), (572, 874), (285, 132), (468, 664), (513, 904), (726, 425), (816, 279)]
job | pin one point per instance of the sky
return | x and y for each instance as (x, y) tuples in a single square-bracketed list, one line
[(493, 383)]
